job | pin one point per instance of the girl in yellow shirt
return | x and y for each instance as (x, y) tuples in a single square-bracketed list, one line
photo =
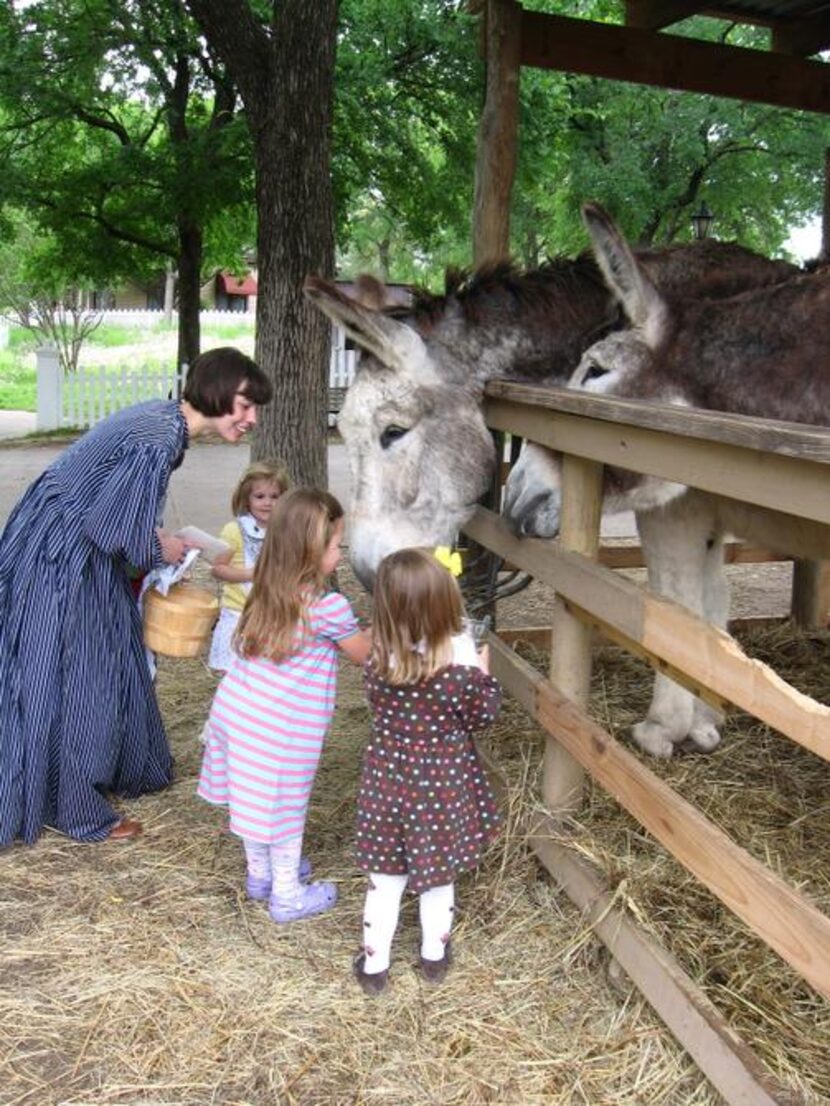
[(259, 488)]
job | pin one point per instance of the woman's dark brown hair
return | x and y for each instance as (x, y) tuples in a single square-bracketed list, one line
[(217, 375)]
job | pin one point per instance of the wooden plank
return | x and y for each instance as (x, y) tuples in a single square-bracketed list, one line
[(775, 480), (668, 61), (570, 661), (764, 435), (802, 36), (783, 919), (686, 643), (497, 133), (734, 553), (720, 1053), (540, 636), (652, 15), (811, 594)]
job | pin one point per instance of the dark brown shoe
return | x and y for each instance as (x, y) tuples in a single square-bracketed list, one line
[(125, 830), (435, 971), (372, 983)]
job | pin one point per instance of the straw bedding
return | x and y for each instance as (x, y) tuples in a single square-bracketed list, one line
[(137, 973)]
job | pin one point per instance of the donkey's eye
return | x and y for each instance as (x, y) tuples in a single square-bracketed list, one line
[(392, 434), (595, 371)]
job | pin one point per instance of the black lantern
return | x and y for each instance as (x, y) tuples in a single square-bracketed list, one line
[(702, 221)]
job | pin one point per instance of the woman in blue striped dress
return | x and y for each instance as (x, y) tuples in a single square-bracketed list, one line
[(78, 713)]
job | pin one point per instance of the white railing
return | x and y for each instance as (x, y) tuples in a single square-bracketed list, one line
[(143, 317), (82, 398)]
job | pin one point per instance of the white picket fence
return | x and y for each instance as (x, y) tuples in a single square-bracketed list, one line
[(144, 318), (85, 397)]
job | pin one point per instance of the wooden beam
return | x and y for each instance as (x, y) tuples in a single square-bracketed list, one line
[(497, 133), (725, 1059), (802, 36), (540, 636), (782, 918), (663, 629), (652, 15), (734, 553), (811, 594), (668, 61), (789, 484), (570, 661), (789, 439)]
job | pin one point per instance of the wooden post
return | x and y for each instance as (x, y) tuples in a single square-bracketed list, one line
[(810, 604), (497, 132), (825, 221), (570, 665)]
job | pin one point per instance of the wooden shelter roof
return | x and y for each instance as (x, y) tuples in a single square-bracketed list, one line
[(649, 47)]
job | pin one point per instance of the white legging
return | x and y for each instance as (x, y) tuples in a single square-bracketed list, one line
[(380, 919)]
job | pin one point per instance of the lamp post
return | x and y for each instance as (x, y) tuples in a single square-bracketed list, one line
[(702, 220)]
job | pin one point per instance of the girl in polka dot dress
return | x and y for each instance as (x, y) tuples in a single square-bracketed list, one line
[(426, 811)]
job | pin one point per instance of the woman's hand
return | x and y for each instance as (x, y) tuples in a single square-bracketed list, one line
[(173, 549)]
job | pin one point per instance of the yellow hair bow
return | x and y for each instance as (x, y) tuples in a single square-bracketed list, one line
[(449, 559)]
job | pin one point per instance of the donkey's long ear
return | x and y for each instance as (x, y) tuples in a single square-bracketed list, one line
[(393, 343), (641, 301)]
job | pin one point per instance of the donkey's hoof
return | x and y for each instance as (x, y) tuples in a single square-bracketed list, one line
[(705, 738), (653, 739)]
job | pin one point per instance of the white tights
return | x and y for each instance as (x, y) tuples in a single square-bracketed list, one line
[(380, 919)]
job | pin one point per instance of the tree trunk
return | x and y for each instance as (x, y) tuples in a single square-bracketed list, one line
[(286, 80), (190, 273)]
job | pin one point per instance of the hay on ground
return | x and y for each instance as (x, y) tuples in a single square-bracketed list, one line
[(137, 973)]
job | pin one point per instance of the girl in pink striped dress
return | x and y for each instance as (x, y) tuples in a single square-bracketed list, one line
[(272, 710)]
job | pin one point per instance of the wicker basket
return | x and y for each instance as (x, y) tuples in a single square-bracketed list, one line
[(177, 624)]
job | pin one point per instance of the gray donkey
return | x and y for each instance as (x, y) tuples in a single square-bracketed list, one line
[(420, 453), (765, 352)]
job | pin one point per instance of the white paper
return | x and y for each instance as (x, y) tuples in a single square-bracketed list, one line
[(210, 547)]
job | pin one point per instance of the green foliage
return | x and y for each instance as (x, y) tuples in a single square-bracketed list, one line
[(18, 384), (120, 130), (109, 158), (650, 155), (408, 90)]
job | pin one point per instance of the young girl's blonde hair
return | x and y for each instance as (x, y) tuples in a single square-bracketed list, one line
[(288, 576), (417, 610), (270, 469)]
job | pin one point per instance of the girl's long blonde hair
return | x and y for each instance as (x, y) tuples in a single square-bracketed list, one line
[(270, 469), (288, 574), (417, 610)]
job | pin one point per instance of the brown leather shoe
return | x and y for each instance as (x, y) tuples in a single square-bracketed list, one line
[(125, 830)]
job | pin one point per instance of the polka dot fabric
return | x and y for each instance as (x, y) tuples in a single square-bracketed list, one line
[(425, 807)]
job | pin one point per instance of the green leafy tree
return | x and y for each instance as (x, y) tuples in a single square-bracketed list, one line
[(407, 96), (121, 134), (41, 296), (651, 155)]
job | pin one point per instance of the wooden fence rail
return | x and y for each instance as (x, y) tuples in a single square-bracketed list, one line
[(777, 474)]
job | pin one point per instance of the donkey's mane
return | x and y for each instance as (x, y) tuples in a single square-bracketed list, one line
[(560, 282)]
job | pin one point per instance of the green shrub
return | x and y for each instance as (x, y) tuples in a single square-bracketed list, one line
[(18, 383)]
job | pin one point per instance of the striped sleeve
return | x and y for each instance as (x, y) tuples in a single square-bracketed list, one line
[(123, 517), (333, 617)]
